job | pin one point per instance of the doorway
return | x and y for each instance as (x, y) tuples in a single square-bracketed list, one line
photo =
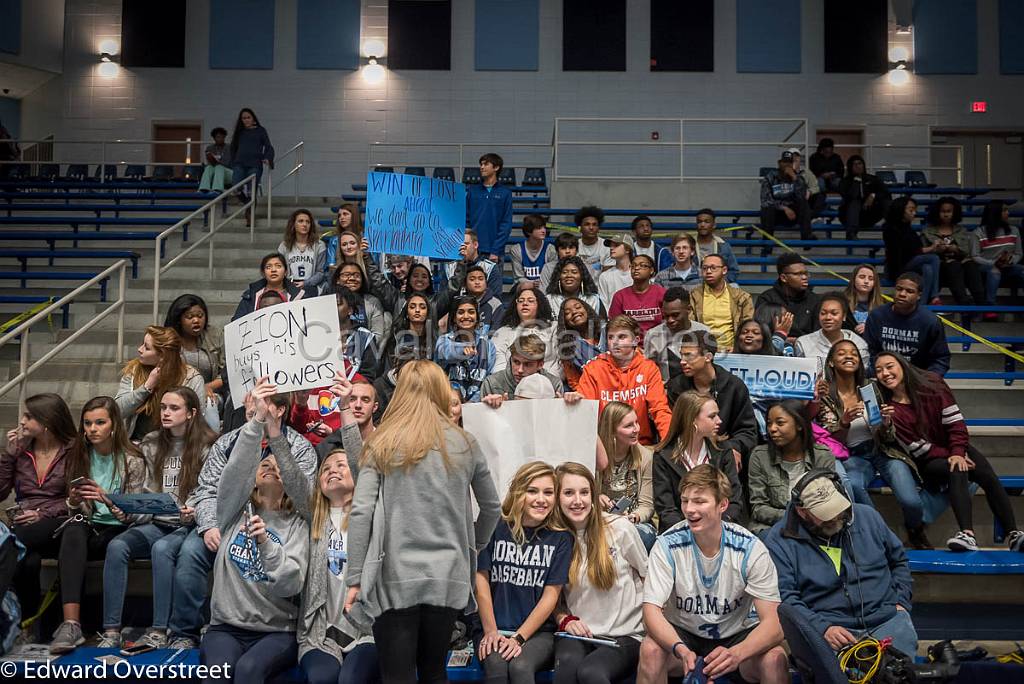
[(178, 154), (849, 141), (989, 159)]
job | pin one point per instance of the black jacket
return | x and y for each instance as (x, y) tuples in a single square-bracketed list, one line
[(859, 187), (902, 243), (255, 290), (734, 408), (804, 308), (385, 386), (668, 473)]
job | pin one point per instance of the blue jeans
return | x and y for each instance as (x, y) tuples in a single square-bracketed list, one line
[(896, 474), (240, 172), (647, 534), (928, 266), (1009, 276), (900, 627), (137, 542), (190, 583), (359, 666)]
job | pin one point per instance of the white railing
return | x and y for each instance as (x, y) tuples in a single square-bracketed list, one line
[(887, 157), (299, 150), (25, 369), (673, 156), (111, 153), (456, 155), (213, 226)]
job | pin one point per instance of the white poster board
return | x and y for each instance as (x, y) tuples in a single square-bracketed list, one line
[(296, 344), (527, 430)]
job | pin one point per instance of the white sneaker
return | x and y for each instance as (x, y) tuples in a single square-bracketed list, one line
[(962, 541), (109, 639), (67, 638), (154, 638)]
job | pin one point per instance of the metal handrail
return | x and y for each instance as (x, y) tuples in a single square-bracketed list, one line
[(682, 143), (462, 151), (868, 148), (214, 226), (25, 369), (299, 150)]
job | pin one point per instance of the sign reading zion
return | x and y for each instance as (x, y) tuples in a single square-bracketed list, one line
[(773, 377), (414, 215)]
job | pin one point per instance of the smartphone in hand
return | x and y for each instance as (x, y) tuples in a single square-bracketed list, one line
[(622, 505)]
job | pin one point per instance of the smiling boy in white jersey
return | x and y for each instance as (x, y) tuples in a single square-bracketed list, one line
[(711, 591)]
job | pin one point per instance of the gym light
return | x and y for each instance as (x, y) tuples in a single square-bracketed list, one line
[(108, 69), (373, 73), (109, 46), (374, 47), (899, 76), (899, 54)]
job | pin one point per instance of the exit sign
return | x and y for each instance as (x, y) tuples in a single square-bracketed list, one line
[(979, 107)]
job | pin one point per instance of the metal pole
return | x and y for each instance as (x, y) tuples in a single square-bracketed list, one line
[(213, 230), (121, 288), (22, 369), (103, 162), (681, 150), (299, 155), (270, 194), (156, 280), (252, 211)]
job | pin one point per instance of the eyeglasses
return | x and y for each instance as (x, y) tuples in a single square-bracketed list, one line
[(526, 300), (350, 276), (711, 267)]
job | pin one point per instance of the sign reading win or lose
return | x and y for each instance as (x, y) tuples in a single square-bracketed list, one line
[(296, 344), (773, 377), (414, 215)]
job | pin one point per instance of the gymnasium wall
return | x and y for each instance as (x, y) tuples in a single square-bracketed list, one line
[(338, 114)]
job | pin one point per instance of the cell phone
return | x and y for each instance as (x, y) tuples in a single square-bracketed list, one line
[(622, 505), (137, 649), (79, 481)]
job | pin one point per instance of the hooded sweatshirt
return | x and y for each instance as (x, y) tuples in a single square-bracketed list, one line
[(803, 306), (638, 384)]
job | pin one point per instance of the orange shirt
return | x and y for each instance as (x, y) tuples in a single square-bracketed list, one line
[(638, 384)]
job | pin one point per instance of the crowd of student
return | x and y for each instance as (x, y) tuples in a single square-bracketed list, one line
[(346, 540)]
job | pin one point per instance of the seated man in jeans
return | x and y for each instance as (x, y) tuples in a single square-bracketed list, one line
[(784, 199), (841, 567)]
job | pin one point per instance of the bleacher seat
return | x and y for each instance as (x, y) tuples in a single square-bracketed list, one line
[(384, 169), (507, 175), (77, 172), (109, 172), (415, 171), (535, 176), (888, 178), (135, 171), (444, 173), (916, 179), (162, 172), (471, 175), (49, 172)]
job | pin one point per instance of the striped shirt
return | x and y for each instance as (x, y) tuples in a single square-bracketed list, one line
[(942, 432)]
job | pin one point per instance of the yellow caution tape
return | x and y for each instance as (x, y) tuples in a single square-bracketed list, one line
[(25, 315)]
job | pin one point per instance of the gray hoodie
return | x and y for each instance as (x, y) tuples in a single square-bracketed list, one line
[(267, 606), (411, 535)]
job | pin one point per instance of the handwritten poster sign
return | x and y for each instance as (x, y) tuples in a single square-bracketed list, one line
[(527, 430), (414, 215), (296, 344), (773, 377)]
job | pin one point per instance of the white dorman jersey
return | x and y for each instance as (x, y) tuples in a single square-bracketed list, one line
[(711, 598)]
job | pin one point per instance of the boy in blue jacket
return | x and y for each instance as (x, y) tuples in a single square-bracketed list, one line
[(489, 208)]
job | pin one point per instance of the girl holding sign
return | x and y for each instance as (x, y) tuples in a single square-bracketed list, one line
[(604, 594), (260, 566), (929, 424), (520, 577), (872, 445), (174, 455), (274, 269), (465, 354)]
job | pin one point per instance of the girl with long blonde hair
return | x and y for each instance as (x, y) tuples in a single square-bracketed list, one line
[(625, 485), (604, 594), (412, 539), (520, 578), (144, 380)]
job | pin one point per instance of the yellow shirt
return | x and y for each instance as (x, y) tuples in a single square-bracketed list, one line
[(718, 316)]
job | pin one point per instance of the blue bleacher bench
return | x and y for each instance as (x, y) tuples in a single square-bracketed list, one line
[(76, 221), (51, 237), (99, 209), (23, 255), (96, 185), (115, 197), (970, 563), (37, 299), (25, 276)]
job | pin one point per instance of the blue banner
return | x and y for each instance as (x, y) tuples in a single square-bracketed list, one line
[(414, 215), (773, 377)]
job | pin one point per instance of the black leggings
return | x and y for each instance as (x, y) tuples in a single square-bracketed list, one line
[(414, 640), (579, 662), (961, 277), (935, 472), (39, 544), (79, 543)]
